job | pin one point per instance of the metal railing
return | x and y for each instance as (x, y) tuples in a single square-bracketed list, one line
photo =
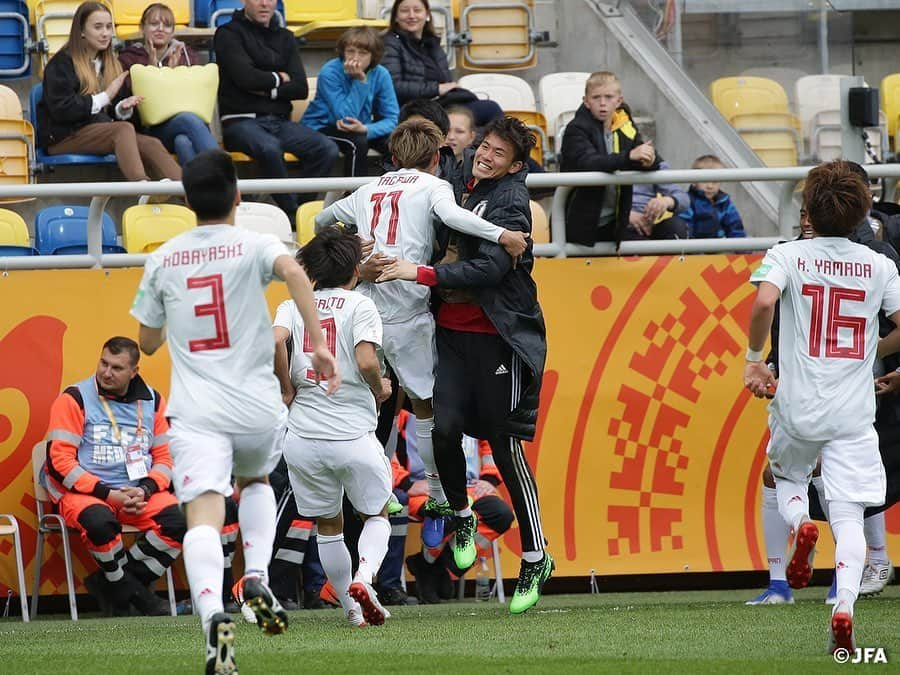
[(100, 193)]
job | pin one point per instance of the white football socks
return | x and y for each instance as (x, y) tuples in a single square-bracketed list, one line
[(258, 517), (775, 535), (338, 566), (849, 550), (425, 447), (793, 503), (876, 539), (373, 546), (204, 565)]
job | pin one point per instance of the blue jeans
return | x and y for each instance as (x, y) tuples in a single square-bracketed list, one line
[(267, 138), (186, 135)]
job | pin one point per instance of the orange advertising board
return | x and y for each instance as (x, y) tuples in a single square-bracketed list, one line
[(648, 456)]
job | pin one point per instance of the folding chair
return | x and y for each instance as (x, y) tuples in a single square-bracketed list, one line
[(13, 529)]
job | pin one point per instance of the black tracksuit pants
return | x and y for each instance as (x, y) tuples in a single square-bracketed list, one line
[(478, 382)]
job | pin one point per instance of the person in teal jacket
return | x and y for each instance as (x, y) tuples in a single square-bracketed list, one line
[(355, 101)]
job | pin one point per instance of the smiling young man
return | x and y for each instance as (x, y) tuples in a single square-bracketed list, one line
[(491, 347)]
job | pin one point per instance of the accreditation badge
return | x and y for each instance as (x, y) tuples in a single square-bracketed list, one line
[(134, 462)]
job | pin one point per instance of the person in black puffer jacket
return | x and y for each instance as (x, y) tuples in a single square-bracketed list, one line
[(491, 347), (418, 65)]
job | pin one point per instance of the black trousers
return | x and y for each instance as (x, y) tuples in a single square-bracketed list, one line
[(479, 380)]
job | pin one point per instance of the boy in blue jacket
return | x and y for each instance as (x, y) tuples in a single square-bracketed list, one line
[(355, 102), (711, 213)]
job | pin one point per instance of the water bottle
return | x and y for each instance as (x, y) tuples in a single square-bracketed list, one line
[(482, 581)]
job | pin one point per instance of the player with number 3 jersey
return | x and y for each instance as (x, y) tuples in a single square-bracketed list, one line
[(204, 292), (831, 291)]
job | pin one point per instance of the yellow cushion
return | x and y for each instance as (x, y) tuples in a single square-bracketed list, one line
[(169, 91)]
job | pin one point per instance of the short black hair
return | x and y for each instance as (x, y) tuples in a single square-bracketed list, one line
[(515, 132), (210, 184), (331, 257), (429, 109), (117, 345)]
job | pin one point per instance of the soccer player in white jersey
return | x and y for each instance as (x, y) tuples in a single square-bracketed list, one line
[(330, 446), (398, 212), (203, 292), (831, 291)]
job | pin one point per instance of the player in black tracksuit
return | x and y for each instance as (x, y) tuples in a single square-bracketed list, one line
[(491, 348)]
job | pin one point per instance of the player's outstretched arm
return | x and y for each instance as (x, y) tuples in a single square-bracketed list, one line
[(758, 379), (455, 217), (151, 339), (370, 369), (323, 361), (341, 211)]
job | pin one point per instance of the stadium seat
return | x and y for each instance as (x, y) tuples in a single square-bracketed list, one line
[(826, 140), (62, 230), (815, 94), (538, 124), (52, 21), (508, 91), (774, 148), (540, 224), (145, 227), (15, 39), (497, 34), (306, 221), (17, 156), (42, 159), (216, 12), (299, 106), (14, 239), (127, 13), (265, 218), (561, 95), (748, 95), (50, 523), (890, 103), (12, 530)]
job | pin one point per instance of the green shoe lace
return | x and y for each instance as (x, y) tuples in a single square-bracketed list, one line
[(434, 509)]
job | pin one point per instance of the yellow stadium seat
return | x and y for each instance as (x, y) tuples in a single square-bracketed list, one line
[(241, 157), (10, 104), (299, 107), (52, 21), (264, 218), (127, 13), (16, 155), (538, 124), (325, 20), (498, 35), (890, 103), (147, 226), (748, 95), (306, 221), (774, 148), (13, 230), (540, 225)]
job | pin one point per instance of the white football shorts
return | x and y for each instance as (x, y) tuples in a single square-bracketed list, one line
[(410, 349), (322, 470)]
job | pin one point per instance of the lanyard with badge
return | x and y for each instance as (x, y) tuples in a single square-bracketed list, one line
[(134, 456)]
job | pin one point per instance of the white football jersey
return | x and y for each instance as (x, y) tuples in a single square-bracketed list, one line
[(398, 211), (207, 286), (831, 292), (347, 318)]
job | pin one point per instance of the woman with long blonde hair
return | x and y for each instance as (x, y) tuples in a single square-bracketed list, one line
[(185, 134), (84, 108)]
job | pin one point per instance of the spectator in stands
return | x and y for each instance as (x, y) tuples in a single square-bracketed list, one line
[(418, 64), (108, 465), (260, 73), (653, 209), (602, 137), (83, 95), (185, 134), (355, 99), (711, 213), (462, 130)]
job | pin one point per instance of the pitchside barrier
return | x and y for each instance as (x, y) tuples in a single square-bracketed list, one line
[(648, 454)]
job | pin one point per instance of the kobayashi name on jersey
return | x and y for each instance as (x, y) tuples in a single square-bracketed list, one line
[(838, 268), (198, 256)]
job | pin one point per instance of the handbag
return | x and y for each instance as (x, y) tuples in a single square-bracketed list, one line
[(169, 91)]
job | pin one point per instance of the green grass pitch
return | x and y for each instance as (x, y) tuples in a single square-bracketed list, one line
[(696, 631)]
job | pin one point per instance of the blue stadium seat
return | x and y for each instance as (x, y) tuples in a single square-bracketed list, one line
[(15, 38), (41, 156), (204, 9), (17, 251), (62, 230)]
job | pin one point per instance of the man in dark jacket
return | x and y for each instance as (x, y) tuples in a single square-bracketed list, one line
[(602, 137), (260, 73), (491, 347)]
